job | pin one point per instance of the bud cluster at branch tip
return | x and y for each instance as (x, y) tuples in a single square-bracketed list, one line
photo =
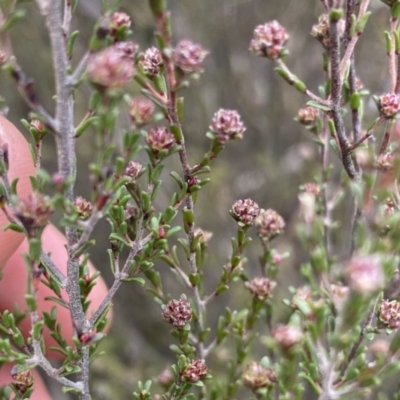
[(133, 170), (389, 105), (152, 61), (269, 40), (141, 111), (227, 125), (189, 56), (159, 138), (113, 67), (83, 207), (178, 312), (269, 224), (364, 274), (261, 287), (255, 376), (321, 30), (195, 371), (389, 314), (245, 211)]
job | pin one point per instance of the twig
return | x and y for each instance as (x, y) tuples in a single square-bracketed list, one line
[(291, 79), (172, 116), (392, 55), (25, 85), (90, 224), (357, 344), (336, 89), (351, 42), (65, 142), (80, 69), (119, 276)]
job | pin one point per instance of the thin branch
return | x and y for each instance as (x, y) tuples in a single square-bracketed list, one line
[(90, 224), (119, 276), (172, 116), (392, 55), (80, 69), (25, 85), (350, 43), (336, 89), (291, 79)]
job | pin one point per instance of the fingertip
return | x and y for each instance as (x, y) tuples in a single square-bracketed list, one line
[(13, 288), (20, 167)]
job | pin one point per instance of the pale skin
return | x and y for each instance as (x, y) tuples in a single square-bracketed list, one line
[(13, 268)]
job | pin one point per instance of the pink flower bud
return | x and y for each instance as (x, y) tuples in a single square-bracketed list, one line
[(152, 61), (189, 56), (141, 111), (269, 224), (178, 312), (195, 371), (287, 335), (389, 314), (245, 211), (255, 376), (119, 20), (111, 68), (160, 138), (364, 274), (261, 287), (227, 125), (389, 105), (269, 40)]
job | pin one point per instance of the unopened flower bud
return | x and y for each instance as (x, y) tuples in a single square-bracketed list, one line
[(380, 347), (364, 274), (195, 371), (269, 224), (152, 61), (178, 312), (312, 188), (389, 105), (34, 212), (389, 314), (385, 161), (189, 56), (111, 68), (83, 207), (128, 49), (255, 376), (321, 30), (339, 294), (141, 111), (308, 116), (39, 126), (133, 169), (58, 181), (166, 378), (227, 125), (23, 380), (160, 138), (119, 21), (261, 287), (245, 211), (269, 40), (390, 208), (205, 236), (287, 335)]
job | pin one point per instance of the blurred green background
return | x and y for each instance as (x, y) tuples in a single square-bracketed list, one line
[(274, 158)]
